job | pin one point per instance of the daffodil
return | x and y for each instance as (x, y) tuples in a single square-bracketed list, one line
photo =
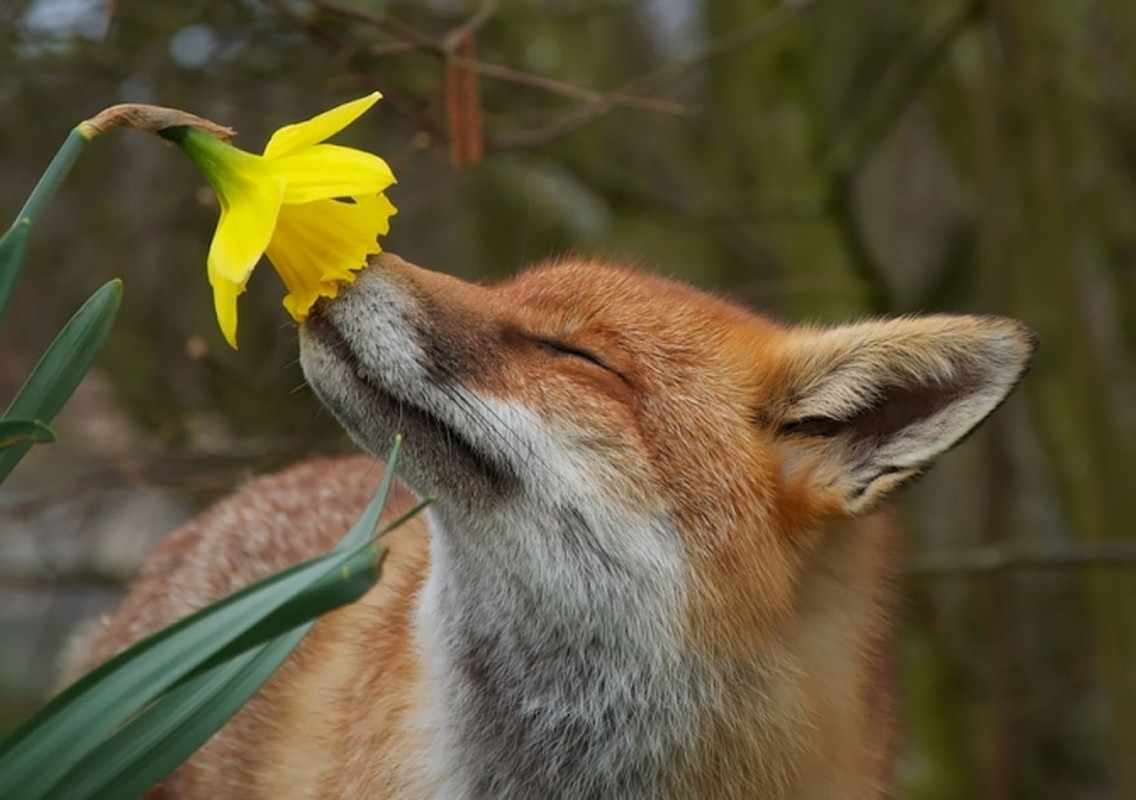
[(315, 209)]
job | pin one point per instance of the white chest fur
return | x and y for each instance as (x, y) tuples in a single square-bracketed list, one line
[(552, 643)]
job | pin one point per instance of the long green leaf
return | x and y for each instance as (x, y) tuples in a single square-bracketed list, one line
[(152, 744), (59, 735), (174, 727), (101, 772), (101, 701), (13, 245), (63, 365), (54, 377), (364, 530), (155, 741), (24, 431)]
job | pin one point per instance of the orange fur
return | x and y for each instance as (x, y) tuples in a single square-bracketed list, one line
[(706, 443)]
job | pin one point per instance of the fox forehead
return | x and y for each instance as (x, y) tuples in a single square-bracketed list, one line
[(581, 292), (668, 340)]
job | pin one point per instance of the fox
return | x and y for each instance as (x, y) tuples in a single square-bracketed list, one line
[(653, 568)]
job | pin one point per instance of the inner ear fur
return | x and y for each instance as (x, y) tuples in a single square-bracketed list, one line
[(859, 409)]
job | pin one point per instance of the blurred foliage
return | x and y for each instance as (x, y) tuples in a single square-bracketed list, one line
[(819, 159)]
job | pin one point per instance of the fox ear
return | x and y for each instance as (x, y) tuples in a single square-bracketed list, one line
[(864, 407)]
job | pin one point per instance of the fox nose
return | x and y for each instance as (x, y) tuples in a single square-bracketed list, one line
[(319, 307)]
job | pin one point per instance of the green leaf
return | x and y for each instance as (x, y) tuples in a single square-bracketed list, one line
[(79, 718), (169, 730), (165, 733), (364, 530), (12, 248), (155, 742), (20, 431), (63, 366), (199, 671)]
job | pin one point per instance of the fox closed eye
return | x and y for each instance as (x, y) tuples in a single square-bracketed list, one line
[(559, 348)]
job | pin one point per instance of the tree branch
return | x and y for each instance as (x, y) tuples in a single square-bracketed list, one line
[(979, 562), (415, 41), (571, 122), (992, 559), (898, 86), (452, 40), (900, 83)]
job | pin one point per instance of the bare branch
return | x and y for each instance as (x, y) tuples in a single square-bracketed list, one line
[(455, 37), (728, 43), (415, 41), (553, 86), (46, 578), (397, 100), (570, 123), (977, 563), (992, 559), (902, 80), (205, 472), (899, 85), (383, 22)]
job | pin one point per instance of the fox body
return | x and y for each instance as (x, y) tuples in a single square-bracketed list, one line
[(647, 572)]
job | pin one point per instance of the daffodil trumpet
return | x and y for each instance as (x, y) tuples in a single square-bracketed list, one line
[(315, 209)]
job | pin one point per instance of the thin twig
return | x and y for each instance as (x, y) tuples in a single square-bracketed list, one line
[(553, 86), (47, 578), (725, 44), (185, 471), (397, 100), (991, 559), (976, 563), (454, 38), (900, 84), (898, 87), (420, 42), (383, 22), (571, 122)]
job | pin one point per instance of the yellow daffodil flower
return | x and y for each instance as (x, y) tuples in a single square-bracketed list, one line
[(315, 209)]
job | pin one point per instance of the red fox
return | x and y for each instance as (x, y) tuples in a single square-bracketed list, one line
[(642, 576)]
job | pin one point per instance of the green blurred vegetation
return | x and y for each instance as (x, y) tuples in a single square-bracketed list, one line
[(820, 159)]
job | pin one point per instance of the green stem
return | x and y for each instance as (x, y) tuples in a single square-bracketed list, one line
[(13, 242), (54, 174)]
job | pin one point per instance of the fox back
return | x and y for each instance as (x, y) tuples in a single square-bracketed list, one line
[(648, 570)]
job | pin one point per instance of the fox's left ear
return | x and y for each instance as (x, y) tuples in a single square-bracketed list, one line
[(858, 409)]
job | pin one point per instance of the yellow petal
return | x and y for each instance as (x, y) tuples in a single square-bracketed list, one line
[(248, 218), (328, 170), (292, 138), (319, 245), (225, 295)]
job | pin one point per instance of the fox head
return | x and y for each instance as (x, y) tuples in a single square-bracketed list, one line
[(632, 478), (649, 391)]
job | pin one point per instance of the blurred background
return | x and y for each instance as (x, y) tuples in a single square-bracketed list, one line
[(818, 159)]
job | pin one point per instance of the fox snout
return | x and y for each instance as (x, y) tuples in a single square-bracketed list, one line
[(371, 356)]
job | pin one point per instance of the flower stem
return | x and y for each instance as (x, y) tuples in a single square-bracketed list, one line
[(14, 242), (54, 174)]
